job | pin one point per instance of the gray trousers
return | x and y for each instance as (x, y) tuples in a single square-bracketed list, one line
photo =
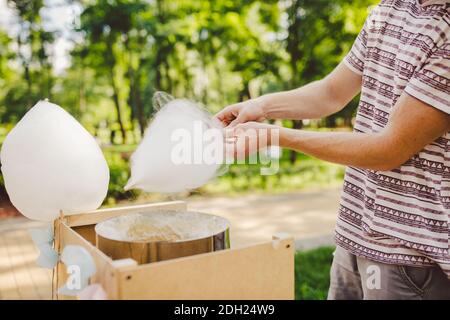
[(355, 278)]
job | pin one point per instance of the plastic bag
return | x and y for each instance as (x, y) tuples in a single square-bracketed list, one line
[(51, 163), (182, 148)]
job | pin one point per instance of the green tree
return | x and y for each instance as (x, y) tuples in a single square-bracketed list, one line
[(319, 35), (34, 79), (6, 74), (107, 25)]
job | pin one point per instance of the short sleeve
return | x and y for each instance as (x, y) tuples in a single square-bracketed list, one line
[(357, 55), (431, 83)]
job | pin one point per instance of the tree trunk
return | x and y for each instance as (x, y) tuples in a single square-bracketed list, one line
[(49, 82), (296, 124), (293, 42), (244, 94), (330, 121), (140, 112), (135, 92), (158, 60), (134, 98), (205, 88), (219, 83), (159, 57), (169, 83), (82, 92), (117, 105), (29, 85), (116, 100), (348, 121), (112, 136), (27, 74)]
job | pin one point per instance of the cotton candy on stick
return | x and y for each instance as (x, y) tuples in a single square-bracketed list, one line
[(156, 165), (51, 163)]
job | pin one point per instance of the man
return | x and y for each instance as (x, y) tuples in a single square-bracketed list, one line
[(392, 232)]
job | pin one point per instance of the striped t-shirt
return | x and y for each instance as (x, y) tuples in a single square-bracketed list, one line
[(401, 216)]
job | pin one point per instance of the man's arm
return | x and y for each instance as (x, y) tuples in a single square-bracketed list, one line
[(315, 100), (411, 126)]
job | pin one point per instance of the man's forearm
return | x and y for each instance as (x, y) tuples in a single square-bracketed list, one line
[(364, 150), (315, 100), (412, 125), (307, 102)]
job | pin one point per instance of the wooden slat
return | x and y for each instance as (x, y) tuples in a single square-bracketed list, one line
[(105, 275), (87, 232), (57, 247), (96, 216), (264, 271)]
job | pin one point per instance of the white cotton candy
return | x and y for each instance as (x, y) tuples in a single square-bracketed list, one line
[(51, 163), (80, 262), (181, 150)]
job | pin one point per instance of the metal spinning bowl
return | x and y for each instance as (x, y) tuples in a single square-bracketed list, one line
[(156, 236)]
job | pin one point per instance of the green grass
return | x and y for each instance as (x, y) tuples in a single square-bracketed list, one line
[(121, 148), (312, 273), (306, 174)]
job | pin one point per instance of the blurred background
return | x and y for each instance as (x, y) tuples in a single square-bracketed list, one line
[(102, 60)]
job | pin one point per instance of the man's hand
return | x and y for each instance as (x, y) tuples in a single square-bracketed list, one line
[(248, 138), (250, 110)]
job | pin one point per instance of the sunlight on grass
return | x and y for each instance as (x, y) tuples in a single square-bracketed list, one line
[(312, 273), (306, 173)]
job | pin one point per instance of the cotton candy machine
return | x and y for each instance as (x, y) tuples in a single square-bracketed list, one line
[(261, 271), (156, 236)]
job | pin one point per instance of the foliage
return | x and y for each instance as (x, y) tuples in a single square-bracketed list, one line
[(119, 170), (216, 52), (312, 273), (305, 173), (32, 78)]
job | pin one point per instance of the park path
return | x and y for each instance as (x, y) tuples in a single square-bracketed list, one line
[(20, 278), (308, 216)]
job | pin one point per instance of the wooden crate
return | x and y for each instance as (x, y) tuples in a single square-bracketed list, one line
[(262, 271)]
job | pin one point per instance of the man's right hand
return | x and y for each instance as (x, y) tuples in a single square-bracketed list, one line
[(250, 110)]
